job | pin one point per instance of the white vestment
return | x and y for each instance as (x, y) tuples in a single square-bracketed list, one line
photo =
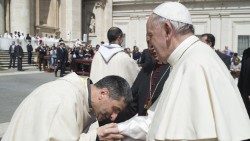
[(56, 111), (200, 99), (136, 128), (110, 59)]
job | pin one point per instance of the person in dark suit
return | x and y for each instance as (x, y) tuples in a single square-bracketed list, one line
[(12, 54), (225, 58), (147, 86), (135, 53), (210, 40), (28, 38), (19, 55), (41, 50), (62, 58), (146, 60), (244, 79), (29, 50)]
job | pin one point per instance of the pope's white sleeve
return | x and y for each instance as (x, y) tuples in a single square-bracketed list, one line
[(137, 127)]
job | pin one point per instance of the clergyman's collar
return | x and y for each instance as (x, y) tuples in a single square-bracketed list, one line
[(180, 50)]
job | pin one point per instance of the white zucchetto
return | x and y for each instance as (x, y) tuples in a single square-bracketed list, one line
[(173, 11)]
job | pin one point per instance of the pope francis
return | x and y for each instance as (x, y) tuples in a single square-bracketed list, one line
[(200, 99)]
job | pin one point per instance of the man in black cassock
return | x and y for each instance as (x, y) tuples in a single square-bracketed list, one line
[(244, 79)]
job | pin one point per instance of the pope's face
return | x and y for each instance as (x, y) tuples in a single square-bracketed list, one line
[(153, 52), (157, 38)]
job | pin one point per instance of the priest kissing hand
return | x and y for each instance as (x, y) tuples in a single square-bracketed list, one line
[(109, 132)]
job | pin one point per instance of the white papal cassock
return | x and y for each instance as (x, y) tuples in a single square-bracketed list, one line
[(111, 59), (200, 99), (55, 111)]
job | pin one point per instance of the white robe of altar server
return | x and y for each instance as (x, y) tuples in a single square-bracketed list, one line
[(55, 111), (200, 99), (111, 59)]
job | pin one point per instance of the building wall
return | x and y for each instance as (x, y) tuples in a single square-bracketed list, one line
[(102, 10), (226, 19), (63, 19), (48, 13), (131, 17), (70, 19), (2, 23), (32, 16), (20, 19)]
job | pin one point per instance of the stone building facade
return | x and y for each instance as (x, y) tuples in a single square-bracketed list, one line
[(228, 20)]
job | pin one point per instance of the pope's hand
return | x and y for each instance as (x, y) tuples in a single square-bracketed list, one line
[(109, 132)]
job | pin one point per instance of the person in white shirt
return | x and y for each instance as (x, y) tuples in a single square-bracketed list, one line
[(78, 43), (111, 59), (6, 34), (22, 36)]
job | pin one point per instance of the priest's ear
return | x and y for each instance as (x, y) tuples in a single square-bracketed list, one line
[(104, 93)]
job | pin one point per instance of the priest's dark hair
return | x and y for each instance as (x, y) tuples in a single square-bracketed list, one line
[(118, 87), (114, 33), (210, 39)]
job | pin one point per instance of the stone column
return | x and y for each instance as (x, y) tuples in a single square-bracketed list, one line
[(37, 12), (100, 24), (108, 18), (215, 25), (76, 19), (2, 25), (103, 11), (7, 15), (57, 14), (70, 19), (20, 16)]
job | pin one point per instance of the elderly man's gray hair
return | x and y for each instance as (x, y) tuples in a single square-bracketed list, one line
[(180, 28)]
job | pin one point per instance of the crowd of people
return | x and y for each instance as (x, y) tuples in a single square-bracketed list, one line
[(32, 39), (58, 55), (47, 54), (183, 91), (62, 56), (44, 50)]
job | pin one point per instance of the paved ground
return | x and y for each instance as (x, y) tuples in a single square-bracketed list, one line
[(14, 87)]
